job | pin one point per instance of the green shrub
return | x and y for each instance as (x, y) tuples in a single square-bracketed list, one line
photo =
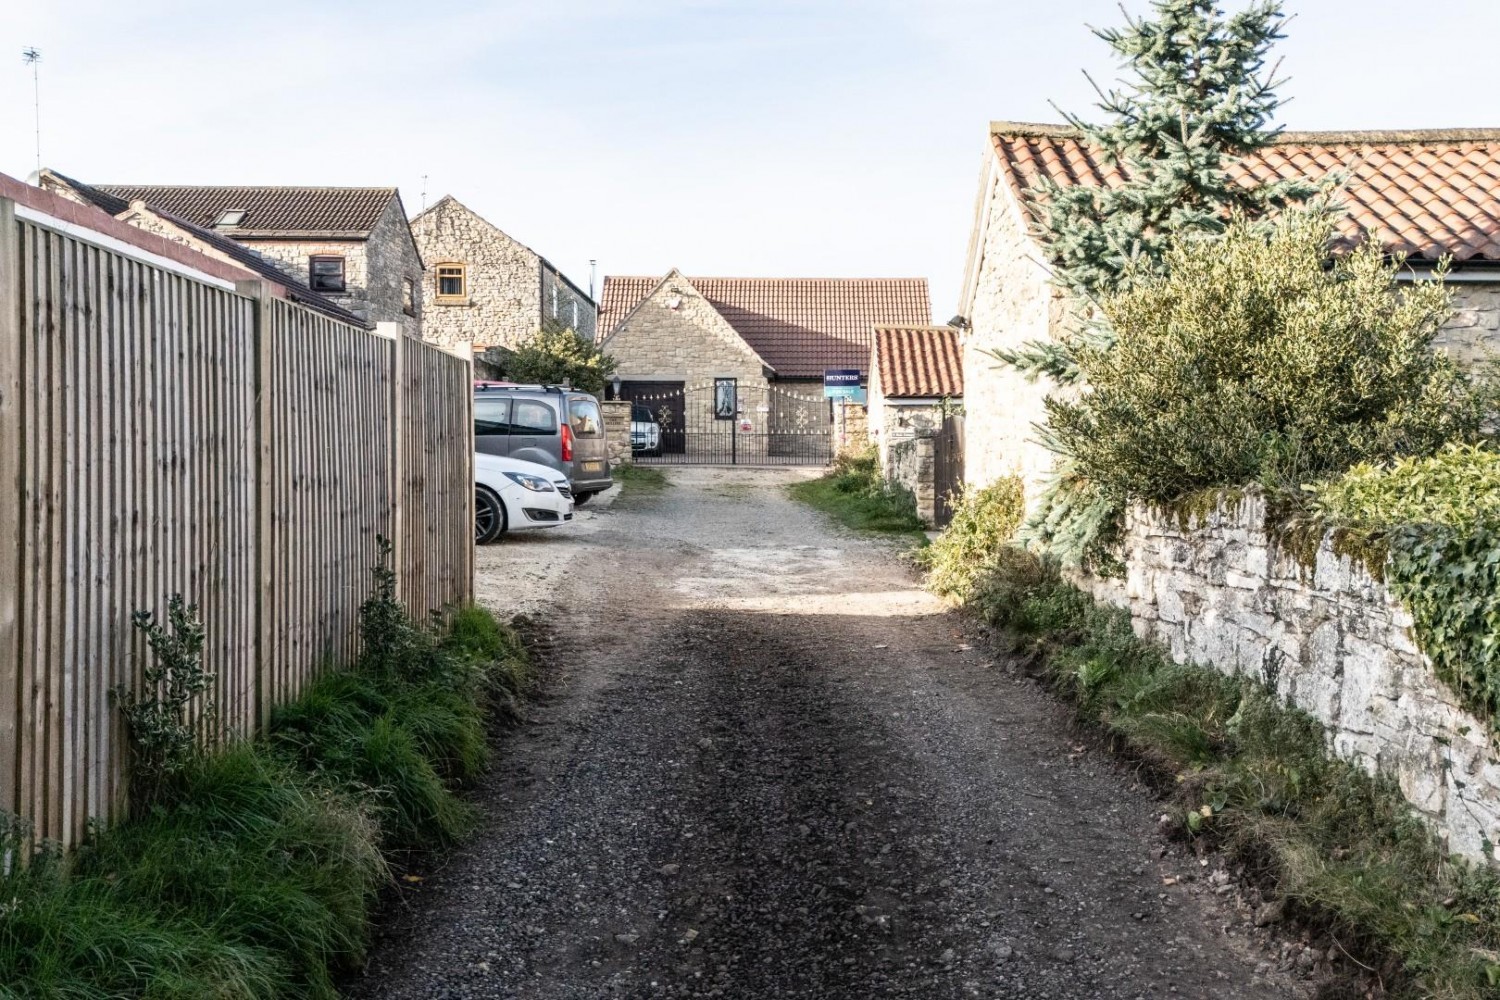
[(1459, 487), (559, 356), (1257, 353), (1254, 776), (984, 522)]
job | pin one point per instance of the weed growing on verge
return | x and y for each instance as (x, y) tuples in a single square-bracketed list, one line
[(984, 521), (164, 719), (641, 478), (1254, 776), (856, 495)]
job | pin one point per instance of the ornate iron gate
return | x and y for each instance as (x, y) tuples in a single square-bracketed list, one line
[(948, 467), (727, 422)]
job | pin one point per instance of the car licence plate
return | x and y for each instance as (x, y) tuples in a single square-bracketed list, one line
[(593, 466)]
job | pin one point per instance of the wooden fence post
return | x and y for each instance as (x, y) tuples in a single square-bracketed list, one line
[(10, 509), (394, 333), (265, 595)]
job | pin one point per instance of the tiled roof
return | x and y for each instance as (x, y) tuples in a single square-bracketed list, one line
[(1425, 193), (919, 361), (296, 291), (296, 212), (799, 326)]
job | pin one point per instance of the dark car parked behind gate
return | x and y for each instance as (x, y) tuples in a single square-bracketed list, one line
[(547, 424)]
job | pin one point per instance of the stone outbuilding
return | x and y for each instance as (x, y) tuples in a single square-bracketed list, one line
[(676, 338), (485, 290), (916, 377), (351, 245), (1426, 194)]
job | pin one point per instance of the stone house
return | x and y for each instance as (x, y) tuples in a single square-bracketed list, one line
[(674, 337), (204, 241), (484, 290), (1425, 194), (350, 245), (916, 375)]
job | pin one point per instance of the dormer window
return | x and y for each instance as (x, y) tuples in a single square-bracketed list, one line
[(229, 219)]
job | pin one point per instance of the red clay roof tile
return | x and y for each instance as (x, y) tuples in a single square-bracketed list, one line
[(919, 361), (1424, 193)]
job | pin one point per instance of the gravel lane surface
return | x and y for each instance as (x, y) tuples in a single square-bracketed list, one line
[(769, 766)]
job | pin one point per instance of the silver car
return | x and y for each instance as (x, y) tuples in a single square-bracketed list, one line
[(551, 425)]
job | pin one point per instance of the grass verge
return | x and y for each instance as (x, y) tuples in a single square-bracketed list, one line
[(255, 875), (641, 478), (1252, 776), (856, 495)]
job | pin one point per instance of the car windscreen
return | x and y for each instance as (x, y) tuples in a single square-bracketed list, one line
[(491, 417), (583, 413), (532, 416), (642, 414)]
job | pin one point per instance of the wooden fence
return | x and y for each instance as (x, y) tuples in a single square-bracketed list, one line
[(162, 432)]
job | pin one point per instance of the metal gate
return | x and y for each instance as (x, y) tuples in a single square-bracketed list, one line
[(725, 422), (948, 467)]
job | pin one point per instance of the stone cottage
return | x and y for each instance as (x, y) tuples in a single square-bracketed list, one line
[(679, 340), (484, 290), (350, 245), (204, 241), (1426, 194)]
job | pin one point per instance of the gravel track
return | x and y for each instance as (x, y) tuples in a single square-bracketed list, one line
[(769, 766)]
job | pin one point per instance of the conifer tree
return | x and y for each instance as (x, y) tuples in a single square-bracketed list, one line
[(1198, 95)]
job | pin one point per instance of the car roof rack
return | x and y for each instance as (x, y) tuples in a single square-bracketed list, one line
[(514, 386)]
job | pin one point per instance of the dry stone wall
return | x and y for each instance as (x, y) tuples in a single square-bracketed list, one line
[(1329, 638)]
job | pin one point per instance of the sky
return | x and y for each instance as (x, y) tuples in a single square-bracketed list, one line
[(816, 138)]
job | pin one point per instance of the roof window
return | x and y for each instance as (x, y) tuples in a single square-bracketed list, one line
[(232, 217)]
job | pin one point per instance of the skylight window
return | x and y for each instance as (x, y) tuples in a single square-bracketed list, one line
[(233, 217)]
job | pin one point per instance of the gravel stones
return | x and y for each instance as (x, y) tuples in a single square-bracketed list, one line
[(765, 767)]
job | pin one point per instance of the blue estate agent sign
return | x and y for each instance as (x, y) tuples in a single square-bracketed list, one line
[(841, 383)]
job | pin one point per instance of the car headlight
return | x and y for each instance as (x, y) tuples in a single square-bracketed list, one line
[(535, 484)]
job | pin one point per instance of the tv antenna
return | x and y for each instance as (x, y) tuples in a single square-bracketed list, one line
[(32, 56), (424, 192)]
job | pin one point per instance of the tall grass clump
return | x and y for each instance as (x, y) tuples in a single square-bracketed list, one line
[(252, 872), (1248, 773)]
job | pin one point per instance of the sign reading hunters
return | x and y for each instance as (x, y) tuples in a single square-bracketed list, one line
[(841, 383)]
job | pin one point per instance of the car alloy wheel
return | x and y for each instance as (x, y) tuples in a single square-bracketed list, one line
[(489, 516)]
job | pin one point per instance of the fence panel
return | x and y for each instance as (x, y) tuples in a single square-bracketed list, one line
[(437, 479), (162, 433), (134, 462)]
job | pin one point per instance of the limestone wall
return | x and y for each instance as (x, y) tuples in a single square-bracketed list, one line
[(1012, 304), (1331, 639), (1472, 334), (910, 463), (503, 301), (565, 306)]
